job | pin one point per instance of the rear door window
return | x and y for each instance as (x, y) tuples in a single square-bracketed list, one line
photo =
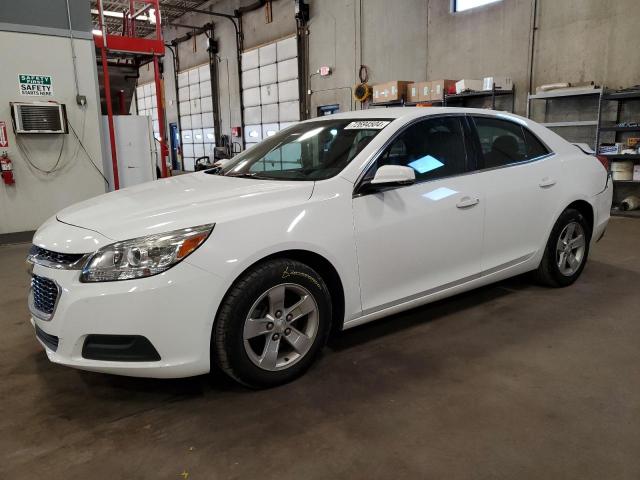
[(535, 148), (503, 142)]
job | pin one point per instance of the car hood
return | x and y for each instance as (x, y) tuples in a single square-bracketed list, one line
[(180, 202)]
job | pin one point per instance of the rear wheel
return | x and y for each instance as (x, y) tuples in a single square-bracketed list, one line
[(272, 324), (566, 251)]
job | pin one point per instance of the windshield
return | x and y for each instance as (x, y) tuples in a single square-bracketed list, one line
[(306, 151)]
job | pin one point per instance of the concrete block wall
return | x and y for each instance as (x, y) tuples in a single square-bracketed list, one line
[(576, 40)]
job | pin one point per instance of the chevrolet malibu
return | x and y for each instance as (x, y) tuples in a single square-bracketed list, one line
[(329, 224)]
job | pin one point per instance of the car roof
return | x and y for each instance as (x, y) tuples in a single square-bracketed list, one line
[(401, 114), (394, 113)]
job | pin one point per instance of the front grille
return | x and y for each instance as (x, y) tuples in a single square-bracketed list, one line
[(45, 294), (43, 256), (51, 341)]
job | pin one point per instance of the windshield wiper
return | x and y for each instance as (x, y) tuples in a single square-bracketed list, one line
[(247, 175)]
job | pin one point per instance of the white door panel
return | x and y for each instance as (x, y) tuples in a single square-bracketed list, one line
[(194, 77), (207, 120), (521, 186), (250, 60), (287, 48), (416, 240), (251, 78), (519, 211), (267, 54), (204, 72), (268, 74)]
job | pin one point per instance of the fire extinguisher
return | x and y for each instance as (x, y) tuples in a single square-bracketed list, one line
[(6, 169)]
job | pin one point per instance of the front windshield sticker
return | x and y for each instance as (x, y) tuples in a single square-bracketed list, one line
[(367, 125)]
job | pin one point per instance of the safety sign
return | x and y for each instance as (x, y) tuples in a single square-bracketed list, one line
[(35, 85)]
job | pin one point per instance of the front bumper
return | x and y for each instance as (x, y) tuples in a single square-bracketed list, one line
[(173, 310)]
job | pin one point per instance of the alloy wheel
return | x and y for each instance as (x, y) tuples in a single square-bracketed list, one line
[(570, 249), (281, 327)]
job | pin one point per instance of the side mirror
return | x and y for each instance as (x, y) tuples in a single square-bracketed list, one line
[(393, 175)]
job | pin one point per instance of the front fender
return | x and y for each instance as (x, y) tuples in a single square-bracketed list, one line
[(322, 225)]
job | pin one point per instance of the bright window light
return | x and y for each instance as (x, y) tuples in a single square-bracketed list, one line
[(462, 5), (425, 164), (439, 193), (309, 134)]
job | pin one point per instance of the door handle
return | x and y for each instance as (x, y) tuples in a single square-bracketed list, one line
[(466, 202), (547, 182)]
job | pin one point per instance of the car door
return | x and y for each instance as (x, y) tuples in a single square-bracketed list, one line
[(418, 239), (521, 182)]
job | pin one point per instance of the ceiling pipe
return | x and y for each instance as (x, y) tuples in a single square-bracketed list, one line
[(198, 10), (189, 35), (181, 25), (236, 20)]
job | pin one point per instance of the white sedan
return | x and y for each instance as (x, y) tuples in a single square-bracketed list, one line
[(329, 224)]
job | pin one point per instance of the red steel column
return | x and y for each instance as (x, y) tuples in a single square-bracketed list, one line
[(159, 102), (107, 96), (112, 135)]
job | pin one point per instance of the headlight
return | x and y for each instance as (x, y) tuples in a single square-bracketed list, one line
[(143, 256)]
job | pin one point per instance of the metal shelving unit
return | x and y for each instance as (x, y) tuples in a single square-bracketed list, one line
[(393, 103), (634, 156), (613, 128), (459, 99), (585, 93), (577, 123), (563, 93), (621, 188)]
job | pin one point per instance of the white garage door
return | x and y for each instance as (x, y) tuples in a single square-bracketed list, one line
[(196, 114), (270, 92), (148, 105)]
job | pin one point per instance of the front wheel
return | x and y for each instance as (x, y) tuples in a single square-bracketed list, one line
[(272, 324), (567, 250)]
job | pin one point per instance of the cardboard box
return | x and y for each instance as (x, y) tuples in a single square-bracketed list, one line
[(622, 170), (390, 91), (439, 87), (633, 142), (468, 84), (419, 92), (413, 92), (501, 83)]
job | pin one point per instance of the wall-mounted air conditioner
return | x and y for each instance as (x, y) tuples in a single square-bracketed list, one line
[(39, 117)]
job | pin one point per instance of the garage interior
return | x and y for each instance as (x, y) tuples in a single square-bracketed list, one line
[(512, 380)]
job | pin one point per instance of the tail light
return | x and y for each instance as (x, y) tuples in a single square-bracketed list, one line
[(604, 161)]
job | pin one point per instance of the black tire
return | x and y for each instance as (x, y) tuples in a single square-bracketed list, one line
[(548, 272), (227, 342)]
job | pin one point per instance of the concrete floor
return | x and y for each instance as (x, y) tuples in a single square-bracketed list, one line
[(510, 381)]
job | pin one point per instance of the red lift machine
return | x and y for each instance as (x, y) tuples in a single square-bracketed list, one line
[(129, 43)]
